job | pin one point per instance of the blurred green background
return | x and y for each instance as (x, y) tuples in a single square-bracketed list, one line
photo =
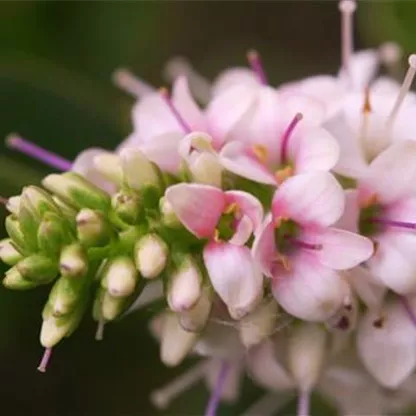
[(56, 63)]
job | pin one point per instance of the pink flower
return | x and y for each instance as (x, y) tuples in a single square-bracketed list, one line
[(227, 220), (300, 251)]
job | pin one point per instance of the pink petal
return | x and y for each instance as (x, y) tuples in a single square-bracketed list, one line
[(195, 141), (308, 290), (163, 151), (243, 231), (234, 276), (313, 198), (264, 249), (312, 109), (234, 77), (198, 207), (392, 174), (350, 216), (235, 158), (317, 150), (341, 250), (186, 105)]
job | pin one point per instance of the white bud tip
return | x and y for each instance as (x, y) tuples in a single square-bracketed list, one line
[(390, 52), (412, 61), (159, 399), (121, 76), (11, 140), (347, 6)]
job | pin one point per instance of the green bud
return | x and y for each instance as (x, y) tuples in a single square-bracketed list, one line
[(13, 204), (8, 252), (112, 307), (169, 217), (69, 212), (93, 230), (151, 255), (127, 205), (109, 165), (76, 191), (15, 281), (120, 277), (38, 268), (65, 294), (53, 233), (73, 261), (15, 233)]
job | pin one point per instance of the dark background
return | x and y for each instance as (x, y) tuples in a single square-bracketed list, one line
[(56, 62)]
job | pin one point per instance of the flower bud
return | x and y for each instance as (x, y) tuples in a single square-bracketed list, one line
[(207, 170), (120, 277), (38, 268), (65, 294), (15, 233), (13, 204), (76, 191), (73, 261), (195, 319), (93, 230), (53, 233), (151, 255), (184, 287), (175, 342), (306, 354), (112, 307), (68, 211), (38, 200), (8, 252), (15, 281), (139, 172), (127, 205), (109, 165), (259, 324), (169, 217)]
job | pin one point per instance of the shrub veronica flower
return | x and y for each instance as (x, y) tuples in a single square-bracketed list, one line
[(243, 208)]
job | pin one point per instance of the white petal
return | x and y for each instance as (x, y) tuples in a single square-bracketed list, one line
[(351, 214), (234, 276), (264, 248), (232, 77), (389, 352), (315, 198)]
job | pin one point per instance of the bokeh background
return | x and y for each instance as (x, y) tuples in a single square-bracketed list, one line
[(56, 61)]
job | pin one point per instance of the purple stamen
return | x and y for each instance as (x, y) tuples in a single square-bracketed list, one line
[(409, 309), (257, 66), (45, 359), (304, 403), (393, 223), (214, 400), (32, 150), (286, 136), (165, 95), (304, 244)]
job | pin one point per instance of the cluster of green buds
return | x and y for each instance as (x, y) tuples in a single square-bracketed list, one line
[(92, 245)]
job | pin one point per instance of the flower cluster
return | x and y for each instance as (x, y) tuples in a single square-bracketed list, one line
[(261, 207)]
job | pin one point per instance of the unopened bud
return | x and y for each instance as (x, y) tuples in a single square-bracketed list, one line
[(73, 261), (93, 230), (120, 276), (139, 172), (127, 205), (53, 233), (77, 191), (184, 287), (151, 255), (38, 268), (112, 307), (207, 170), (15, 281), (169, 217), (195, 319), (306, 354), (175, 342), (259, 324), (9, 253), (65, 294), (66, 209), (13, 204), (38, 200), (109, 165), (15, 233)]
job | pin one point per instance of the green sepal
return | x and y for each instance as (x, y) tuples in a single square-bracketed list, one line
[(38, 268), (15, 233)]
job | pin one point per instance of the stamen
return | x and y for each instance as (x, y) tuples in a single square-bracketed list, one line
[(366, 110), (162, 397), (165, 95), (393, 223), (407, 83), (304, 244), (269, 404), (409, 309), (214, 400), (286, 136), (304, 399), (233, 208), (45, 360), (129, 83), (16, 142), (254, 60), (282, 174), (347, 9), (261, 152), (99, 335), (390, 53)]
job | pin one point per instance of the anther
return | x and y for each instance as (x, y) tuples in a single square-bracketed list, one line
[(45, 360), (390, 53), (261, 152), (164, 93), (256, 65), (286, 136), (15, 142), (129, 83)]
